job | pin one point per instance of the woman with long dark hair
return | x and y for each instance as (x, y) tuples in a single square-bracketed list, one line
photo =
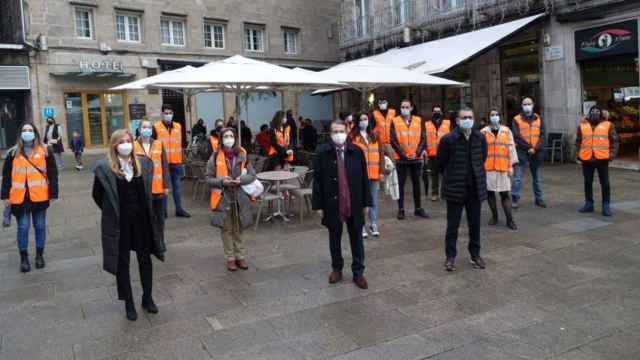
[(29, 183), (280, 148), (122, 189)]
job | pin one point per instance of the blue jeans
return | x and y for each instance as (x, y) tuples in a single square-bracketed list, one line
[(175, 171), (39, 223), (374, 186), (533, 162)]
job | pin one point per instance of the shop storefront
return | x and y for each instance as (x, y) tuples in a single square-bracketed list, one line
[(520, 67), (96, 115), (608, 58)]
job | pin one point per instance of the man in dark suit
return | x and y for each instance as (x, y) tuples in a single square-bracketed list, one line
[(341, 193), (461, 157)]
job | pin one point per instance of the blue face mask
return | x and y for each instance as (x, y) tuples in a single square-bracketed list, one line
[(146, 132), (363, 124), (28, 136), (466, 124)]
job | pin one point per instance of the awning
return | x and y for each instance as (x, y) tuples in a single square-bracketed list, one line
[(440, 55)]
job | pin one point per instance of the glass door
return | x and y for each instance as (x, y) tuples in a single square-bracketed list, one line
[(94, 124), (114, 106)]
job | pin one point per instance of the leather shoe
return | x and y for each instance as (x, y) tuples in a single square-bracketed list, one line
[(400, 214), (149, 306), (360, 282), (450, 264), (493, 221), (182, 213), (421, 213), (132, 314), (478, 262), (512, 224), (231, 265), (335, 277), (242, 264), (541, 203)]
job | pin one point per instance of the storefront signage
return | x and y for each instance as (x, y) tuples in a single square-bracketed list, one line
[(48, 111), (615, 39), (101, 66), (552, 53)]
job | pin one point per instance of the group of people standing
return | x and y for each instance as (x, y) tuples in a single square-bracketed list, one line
[(132, 183)]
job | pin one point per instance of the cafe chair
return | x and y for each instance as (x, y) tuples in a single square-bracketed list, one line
[(555, 146), (303, 193), (267, 197)]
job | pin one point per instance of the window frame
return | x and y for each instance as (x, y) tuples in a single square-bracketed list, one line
[(296, 42), (361, 18), (172, 41), (89, 11), (127, 24), (212, 24), (263, 32)]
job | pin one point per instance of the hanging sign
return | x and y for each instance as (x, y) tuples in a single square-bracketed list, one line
[(603, 41)]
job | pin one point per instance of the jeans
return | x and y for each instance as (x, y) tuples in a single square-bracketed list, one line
[(533, 162), (431, 171), (588, 170), (78, 157), (357, 247), (39, 224), (472, 207), (374, 186), (175, 171), (415, 169)]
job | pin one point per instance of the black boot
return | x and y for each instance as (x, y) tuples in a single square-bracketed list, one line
[(506, 205), (25, 267), (39, 258), (130, 308), (149, 305), (494, 211)]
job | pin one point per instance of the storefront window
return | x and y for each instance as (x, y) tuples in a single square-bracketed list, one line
[(613, 85), (96, 115), (114, 111), (11, 116), (73, 106), (520, 66)]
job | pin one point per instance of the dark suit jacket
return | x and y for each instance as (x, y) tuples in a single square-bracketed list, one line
[(325, 183)]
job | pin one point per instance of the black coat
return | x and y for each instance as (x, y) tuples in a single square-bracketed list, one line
[(57, 148), (454, 154), (105, 195), (325, 183)]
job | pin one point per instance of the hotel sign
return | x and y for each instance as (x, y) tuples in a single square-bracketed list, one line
[(101, 66), (615, 39)]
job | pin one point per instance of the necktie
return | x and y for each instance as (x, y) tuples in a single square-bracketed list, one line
[(344, 196)]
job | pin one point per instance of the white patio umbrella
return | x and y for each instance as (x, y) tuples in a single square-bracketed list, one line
[(163, 76), (240, 75)]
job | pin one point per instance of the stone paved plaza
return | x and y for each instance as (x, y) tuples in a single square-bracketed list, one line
[(565, 286)]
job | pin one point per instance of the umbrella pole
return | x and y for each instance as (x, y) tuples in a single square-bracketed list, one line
[(237, 117)]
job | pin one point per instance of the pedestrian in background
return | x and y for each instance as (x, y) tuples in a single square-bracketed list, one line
[(169, 133), (76, 144), (501, 157), (280, 147), (29, 183), (461, 155), (529, 134), (228, 170), (383, 117), (122, 189), (341, 192), (53, 138), (364, 137), (199, 129), (435, 129), (597, 145)]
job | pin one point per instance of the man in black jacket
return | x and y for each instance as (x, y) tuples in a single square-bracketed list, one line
[(341, 193), (461, 157)]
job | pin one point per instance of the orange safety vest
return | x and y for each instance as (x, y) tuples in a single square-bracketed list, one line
[(155, 155), (434, 135), (498, 154), (26, 177), (223, 171), (372, 156), (383, 125), (214, 143), (283, 139), (595, 142), (529, 132), (408, 136), (171, 141)]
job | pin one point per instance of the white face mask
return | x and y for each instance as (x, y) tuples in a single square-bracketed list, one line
[(349, 118), (495, 120), (528, 109), (124, 149), (383, 106), (284, 120), (228, 142), (339, 138)]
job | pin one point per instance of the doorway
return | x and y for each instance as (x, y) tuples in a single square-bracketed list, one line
[(96, 115), (520, 66)]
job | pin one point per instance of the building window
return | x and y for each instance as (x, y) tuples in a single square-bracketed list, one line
[(400, 11), (450, 4), (84, 23), (361, 17), (214, 35), (254, 38), (128, 27), (291, 41), (172, 32)]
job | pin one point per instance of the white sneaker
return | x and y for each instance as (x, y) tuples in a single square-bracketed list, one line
[(374, 230), (364, 232)]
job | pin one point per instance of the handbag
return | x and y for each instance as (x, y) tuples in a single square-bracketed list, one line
[(253, 189)]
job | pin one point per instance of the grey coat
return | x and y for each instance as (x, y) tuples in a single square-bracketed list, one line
[(105, 195), (230, 196)]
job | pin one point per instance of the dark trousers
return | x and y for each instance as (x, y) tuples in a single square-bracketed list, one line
[(431, 171), (159, 210), (472, 207), (123, 279), (357, 247), (588, 170), (414, 169)]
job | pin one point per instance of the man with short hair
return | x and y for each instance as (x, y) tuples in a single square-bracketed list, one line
[(529, 134), (408, 143), (461, 157), (169, 133), (435, 129), (341, 193)]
